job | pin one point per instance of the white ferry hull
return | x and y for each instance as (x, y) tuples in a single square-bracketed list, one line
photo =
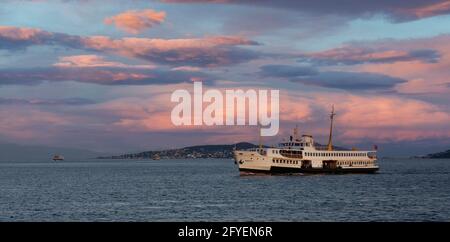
[(254, 162)]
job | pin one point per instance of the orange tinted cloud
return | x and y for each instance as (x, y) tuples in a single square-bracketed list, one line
[(135, 21)]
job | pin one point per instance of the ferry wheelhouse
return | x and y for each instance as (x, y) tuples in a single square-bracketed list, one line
[(300, 154)]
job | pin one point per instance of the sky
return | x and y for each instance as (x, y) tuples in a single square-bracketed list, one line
[(98, 75)]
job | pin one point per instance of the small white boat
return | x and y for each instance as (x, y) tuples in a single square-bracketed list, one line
[(58, 158)]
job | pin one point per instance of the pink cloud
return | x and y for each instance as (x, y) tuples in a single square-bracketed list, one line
[(14, 33), (400, 10), (385, 118), (20, 123), (424, 77), (135, 21), (429, 10), (93, 61), (186, 68), (353, 54), (379, 118), (207, 51)]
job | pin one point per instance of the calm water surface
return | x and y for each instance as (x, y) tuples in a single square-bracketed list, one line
[(205, 190)]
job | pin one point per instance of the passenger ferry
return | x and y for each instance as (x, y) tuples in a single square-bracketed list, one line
[(300, 155)]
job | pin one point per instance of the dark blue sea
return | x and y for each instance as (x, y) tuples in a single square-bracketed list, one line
[(213, 190)]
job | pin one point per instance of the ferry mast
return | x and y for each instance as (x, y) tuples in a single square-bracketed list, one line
[(332, 114)]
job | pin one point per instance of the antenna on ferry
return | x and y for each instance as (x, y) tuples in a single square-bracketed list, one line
[(332, 114), (260, 137), (296, 132)]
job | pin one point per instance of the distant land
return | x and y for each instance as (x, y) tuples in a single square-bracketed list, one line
[(194, 152), (439, 155), (37, 153), (199, 151)]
